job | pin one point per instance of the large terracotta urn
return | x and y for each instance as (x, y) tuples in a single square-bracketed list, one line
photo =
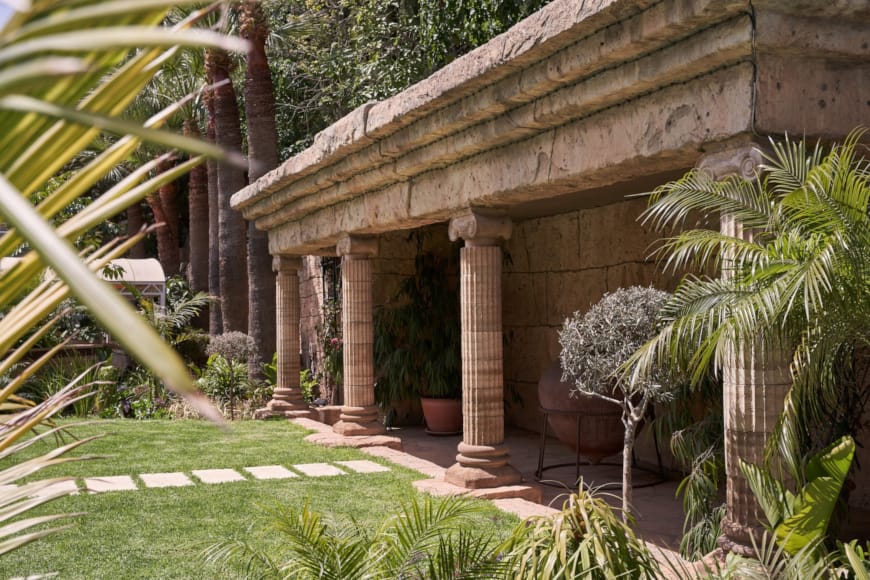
[(443, 416), (601, 430)]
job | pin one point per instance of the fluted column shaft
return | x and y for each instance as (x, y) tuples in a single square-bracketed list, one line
[(755, 383), (482, 368), (359, 415), (483, 459), (287, 397)]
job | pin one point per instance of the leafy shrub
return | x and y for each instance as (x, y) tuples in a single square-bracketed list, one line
[(270, 371), (57, 374), (330, 375), (141, 395), (596, 347), (596, 344), (585, 540), (226, 380), (309, 385), (234, 346), (427, 538)]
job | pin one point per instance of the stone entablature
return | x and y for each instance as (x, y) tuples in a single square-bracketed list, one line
[(578, 96)]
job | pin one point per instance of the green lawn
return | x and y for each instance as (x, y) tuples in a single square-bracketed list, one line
[(159, 533)]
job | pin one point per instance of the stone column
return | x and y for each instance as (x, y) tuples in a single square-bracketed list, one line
[(755, 383), (483, 460), (287, 398), (359, 415)]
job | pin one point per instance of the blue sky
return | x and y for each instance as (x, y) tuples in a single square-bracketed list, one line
[(5, 13)]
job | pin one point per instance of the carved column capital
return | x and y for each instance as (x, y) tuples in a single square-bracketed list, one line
[(743, 161), (285, 263), (479, 229), (356, 246)]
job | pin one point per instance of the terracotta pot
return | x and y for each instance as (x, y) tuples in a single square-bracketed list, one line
[(601, 429), (443, 416)]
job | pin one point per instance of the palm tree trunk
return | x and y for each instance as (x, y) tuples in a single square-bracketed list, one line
[(215, 319), (164, 206), (262, 157), (134, 224), (232, 231), (198, 226)]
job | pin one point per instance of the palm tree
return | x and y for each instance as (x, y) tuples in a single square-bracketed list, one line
[(135, 221), (215, 316), (198, 228), (802, 282), (183, 80), (60, 87), (262, 157), (164, 206), (232, 231)]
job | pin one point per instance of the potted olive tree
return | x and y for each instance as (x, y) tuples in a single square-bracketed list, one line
[(595, 347), (417, 344)]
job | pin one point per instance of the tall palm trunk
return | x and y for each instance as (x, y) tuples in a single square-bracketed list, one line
[(198, 226), (164, 206), (262, 157), (215, 318), (134, 224), (232, 232)]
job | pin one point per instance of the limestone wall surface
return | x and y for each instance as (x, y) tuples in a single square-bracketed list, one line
[(556, 266)]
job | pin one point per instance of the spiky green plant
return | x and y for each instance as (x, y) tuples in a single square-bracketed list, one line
[(426, 539), (587, 539), (68, 71), (799, 519), (802, 282)]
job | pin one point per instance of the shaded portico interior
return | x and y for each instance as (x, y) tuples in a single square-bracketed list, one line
[(527, 148)]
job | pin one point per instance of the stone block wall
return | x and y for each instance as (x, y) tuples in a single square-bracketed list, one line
[(311, 299), (394, 263), (558, 265)]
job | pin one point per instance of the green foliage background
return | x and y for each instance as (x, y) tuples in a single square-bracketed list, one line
[(356, 51)]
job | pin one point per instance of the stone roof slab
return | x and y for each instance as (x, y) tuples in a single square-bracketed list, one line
[(577, 98)]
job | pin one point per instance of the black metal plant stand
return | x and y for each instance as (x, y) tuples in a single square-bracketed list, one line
[(579, 415)]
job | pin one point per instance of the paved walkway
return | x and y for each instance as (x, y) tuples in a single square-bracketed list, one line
[(112, 483), (658, 510)]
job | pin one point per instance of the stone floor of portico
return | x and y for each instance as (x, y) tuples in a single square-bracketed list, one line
[(658, 510)]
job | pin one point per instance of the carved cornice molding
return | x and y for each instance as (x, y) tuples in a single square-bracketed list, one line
[(356, 247), (743, 161), (284, 263), (480, 229)]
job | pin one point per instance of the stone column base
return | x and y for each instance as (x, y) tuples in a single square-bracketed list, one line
[(738, 538), (359, 421), (482, 466), (481, 478), (280, 409)]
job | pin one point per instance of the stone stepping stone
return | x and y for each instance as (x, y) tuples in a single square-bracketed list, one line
[(110, 483), (69, 486), (364, 466), (217, 475), (270, 472), (174, 479), (318, 469)]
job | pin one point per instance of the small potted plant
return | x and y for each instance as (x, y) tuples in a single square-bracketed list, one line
[(595, 347), (417, 344)]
